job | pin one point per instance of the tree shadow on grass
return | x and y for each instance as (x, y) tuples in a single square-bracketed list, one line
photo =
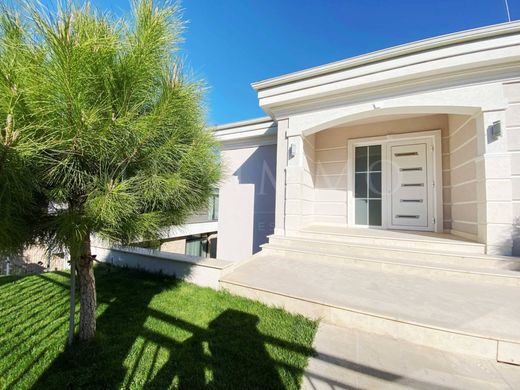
[(99, 363), (31, 311), (128, 352), (9, 279), (230, 354)]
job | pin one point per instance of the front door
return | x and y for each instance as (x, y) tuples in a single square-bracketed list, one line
[(394, 184), (410, 185)]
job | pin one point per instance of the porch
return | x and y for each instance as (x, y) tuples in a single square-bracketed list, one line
[(424, 141), (408, 171), (430, 289)]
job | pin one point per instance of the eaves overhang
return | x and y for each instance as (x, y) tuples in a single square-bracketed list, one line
[(249, 133), (393, 52), (496, 46)]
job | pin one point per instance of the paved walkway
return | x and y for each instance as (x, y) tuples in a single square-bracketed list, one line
[(350, 359), (469, 307)]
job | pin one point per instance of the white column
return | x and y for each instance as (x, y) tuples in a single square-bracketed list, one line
[(494, 192), (294, 185), (512, 129), (299, 189), (281, 164), (294, 180)]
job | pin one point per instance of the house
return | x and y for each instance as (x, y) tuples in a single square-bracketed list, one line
[(423, 137), (197, 237), (382, 194)]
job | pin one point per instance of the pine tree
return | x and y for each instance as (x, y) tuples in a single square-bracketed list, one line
[(102, 133)]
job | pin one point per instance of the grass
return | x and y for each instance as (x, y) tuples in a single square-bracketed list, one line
[(153, 333)]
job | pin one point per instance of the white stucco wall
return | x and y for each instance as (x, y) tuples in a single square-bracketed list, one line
[(512, 130), (330, 181), (460, 83), (460, 168), (203, 272), (246, 200)]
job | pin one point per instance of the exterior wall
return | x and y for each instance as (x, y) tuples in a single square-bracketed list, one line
[(512, 129), (37, 253), (331, 154), (460, 174), (174, 246), (479, 179), (281, 164), (299, 183), (33, 259), (204, 272), (247, 200), (189, 229), (309, 171)]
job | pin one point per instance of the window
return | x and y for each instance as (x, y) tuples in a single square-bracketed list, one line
[(213, 207), (197, 246), (367, 185)]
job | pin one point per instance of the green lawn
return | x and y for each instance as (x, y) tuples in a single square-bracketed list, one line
[(153, 332)]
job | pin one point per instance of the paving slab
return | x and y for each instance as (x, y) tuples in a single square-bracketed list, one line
[(351, 359), (467, 307)]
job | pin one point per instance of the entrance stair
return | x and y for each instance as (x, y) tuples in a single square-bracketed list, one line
[(431, 290)]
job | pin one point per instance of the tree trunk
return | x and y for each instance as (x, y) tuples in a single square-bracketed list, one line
[(87, 293), (72, 299)]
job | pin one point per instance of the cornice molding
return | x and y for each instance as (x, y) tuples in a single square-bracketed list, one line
[(255, 132), (393, 52)]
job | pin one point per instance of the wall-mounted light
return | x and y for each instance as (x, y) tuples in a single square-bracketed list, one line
[(292, 150), (496, 130)]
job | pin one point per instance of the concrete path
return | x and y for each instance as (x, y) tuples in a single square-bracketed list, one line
[(351, 359), (489, 311)]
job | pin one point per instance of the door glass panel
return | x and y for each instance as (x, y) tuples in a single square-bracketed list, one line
[(374, 161), (374, 212), (367, 186), (361, 159), (374, 185), (361, 212), (361, 185)]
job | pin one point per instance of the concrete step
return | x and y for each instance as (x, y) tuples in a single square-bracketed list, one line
[(435, 242), (460, 316), (350, 359), (492, 274), (395, 252)]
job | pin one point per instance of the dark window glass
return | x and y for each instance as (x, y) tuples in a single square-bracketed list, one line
[(374, 159), (197, 246), (361, 159), (374, 212), (374, 185), (361, 185), (368, 185), (213, 208), (193, 246)]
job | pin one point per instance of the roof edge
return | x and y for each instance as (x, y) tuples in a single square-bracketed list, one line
[(392, 52), (247, 122)]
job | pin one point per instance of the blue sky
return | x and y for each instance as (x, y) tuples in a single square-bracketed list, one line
[(232, 43)]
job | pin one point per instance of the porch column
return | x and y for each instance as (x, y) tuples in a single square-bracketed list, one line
[(494, 187), (281, 165), (295, 202), (512, 128)]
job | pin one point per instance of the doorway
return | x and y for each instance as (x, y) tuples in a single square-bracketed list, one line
[(393, 182)]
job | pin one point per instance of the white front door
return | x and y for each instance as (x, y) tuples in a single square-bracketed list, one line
[(410, 185), (393, 182)]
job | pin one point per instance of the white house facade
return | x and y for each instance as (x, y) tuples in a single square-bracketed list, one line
[(423, 137), (380, 195)]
